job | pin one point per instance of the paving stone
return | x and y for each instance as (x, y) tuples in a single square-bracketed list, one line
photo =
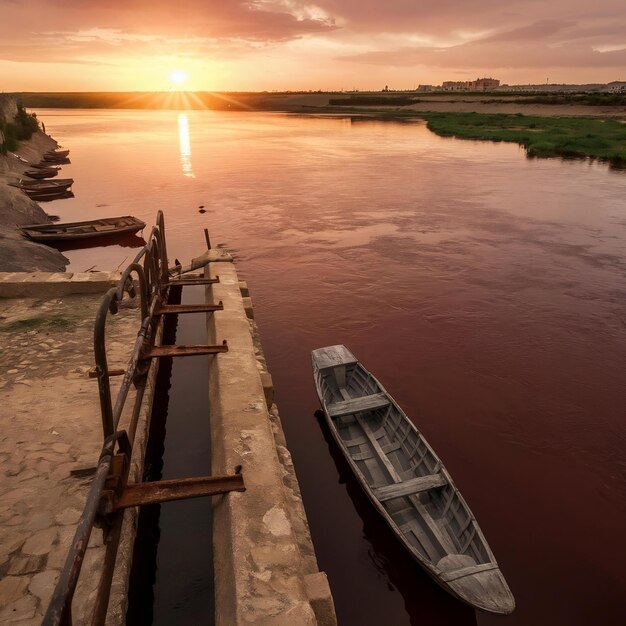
[(42, 585), (22, 609), (26, 565), (40, 520), (12, 540), (68, 516), (41, 542), (12, 589)]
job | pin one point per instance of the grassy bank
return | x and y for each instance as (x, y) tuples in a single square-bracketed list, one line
[(21, 128), (541, 136)]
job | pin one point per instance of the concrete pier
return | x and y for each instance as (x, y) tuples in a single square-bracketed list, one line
[(266, 570)]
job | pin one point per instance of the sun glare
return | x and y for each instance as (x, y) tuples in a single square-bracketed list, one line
[(178, 78)]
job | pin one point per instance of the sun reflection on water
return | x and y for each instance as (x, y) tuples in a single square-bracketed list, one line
[(185, 145)]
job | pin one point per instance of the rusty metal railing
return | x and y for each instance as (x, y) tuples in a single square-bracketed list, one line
[(110, 492)]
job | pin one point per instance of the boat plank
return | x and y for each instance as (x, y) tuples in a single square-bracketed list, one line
[(358, 405), (409, 487)]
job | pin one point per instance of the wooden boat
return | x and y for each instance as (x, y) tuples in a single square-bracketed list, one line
[(44, 185), (107, 226), (49, 196), (407, 482), (57, 153), (41, 165), (47, 161), (47, 172)]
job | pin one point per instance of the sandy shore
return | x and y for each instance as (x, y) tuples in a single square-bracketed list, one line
[(18, 254)]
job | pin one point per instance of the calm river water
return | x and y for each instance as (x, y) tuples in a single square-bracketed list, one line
[(487, 292)]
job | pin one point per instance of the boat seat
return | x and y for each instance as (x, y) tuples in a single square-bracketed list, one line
[(358, 405), (410, 487)]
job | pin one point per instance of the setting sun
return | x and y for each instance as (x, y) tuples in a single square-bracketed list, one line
[(178, 78)]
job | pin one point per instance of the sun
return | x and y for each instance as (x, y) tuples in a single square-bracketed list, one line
[(178, 78)]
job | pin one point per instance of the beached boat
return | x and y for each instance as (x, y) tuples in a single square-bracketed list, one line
[(57, 153), (44, 185), (107, 226), (39, 174), (41, 165), (49, 196), (407, 482)]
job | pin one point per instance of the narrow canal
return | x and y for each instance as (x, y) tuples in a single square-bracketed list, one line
[(172, 577), (487, 291)]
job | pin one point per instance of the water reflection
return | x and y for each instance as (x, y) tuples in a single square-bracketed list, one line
[(184, 145)]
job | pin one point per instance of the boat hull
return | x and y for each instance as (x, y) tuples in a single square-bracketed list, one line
[(77, 231)]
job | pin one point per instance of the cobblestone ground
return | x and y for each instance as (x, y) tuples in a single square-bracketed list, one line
[(49, 426)]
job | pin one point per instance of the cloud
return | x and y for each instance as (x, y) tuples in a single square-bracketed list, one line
[(56, 26), (304, 38)]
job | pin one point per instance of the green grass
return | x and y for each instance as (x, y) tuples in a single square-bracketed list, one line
[(35, 323), (569, 137)]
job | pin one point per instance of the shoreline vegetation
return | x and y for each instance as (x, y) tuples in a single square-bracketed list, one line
[(20, 128), (565, 137), (566, 125)]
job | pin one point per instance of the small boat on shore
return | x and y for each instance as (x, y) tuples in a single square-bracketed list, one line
[(56, 154), (105, 227), (44, 185), (407, 482), (49, 196), (39, 174), (41, 165), (47, 161)]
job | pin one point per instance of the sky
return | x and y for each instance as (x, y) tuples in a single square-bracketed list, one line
[(255, 45)]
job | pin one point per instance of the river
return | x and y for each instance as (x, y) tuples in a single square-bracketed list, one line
[(486, 291)]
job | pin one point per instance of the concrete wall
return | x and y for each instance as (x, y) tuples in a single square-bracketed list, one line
[(265, 567)]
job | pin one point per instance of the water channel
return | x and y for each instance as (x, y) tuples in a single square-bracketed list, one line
[(487, 291)]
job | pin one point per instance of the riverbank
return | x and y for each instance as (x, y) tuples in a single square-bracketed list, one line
[(414, 102), (18, 254)]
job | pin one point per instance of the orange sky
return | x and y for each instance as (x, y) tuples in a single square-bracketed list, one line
[(64, 45)]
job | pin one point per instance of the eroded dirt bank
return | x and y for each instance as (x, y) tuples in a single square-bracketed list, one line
[(18, 254)]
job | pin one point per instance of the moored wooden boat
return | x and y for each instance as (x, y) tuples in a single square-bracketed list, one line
[(48, 196), (407, 482), (57, 153), (107, 226), (39, 174), (44, 185)]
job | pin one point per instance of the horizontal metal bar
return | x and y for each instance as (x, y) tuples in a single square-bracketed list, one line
[(141, 494), (93, 372), (159, 352), (175, 309), (183, 282)]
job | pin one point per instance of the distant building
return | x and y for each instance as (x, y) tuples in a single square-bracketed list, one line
[(427, 88), (484, 84), (480, 84), (455, 85)]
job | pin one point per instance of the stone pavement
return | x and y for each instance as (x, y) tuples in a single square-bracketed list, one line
[(49, 426)]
